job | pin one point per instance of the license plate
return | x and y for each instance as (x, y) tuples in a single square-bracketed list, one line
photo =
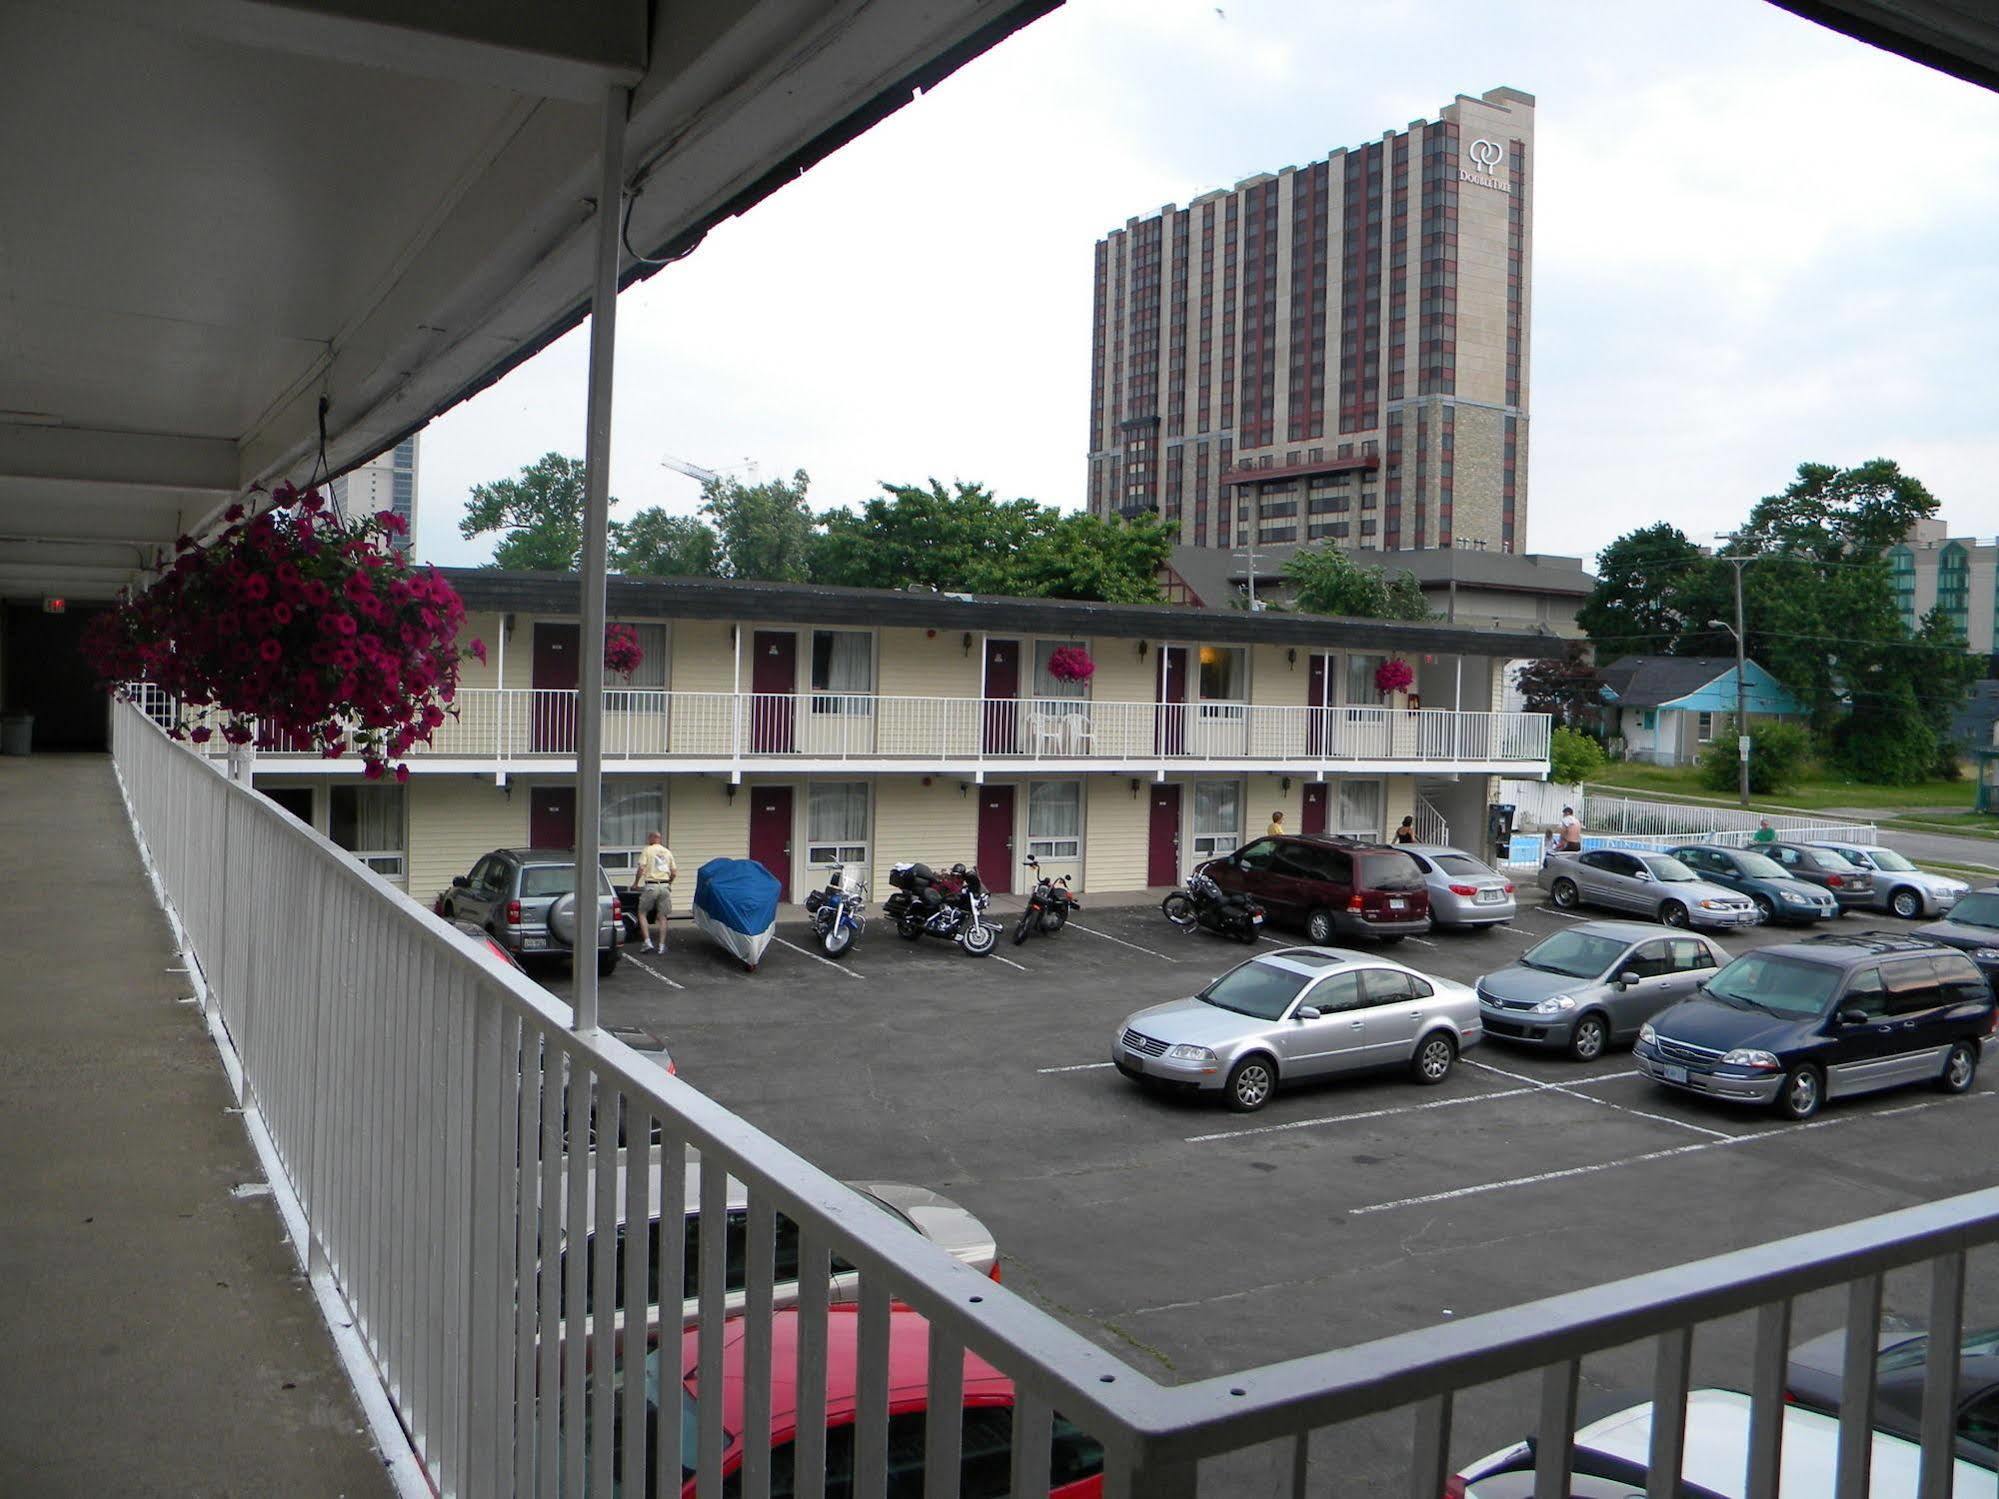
[(1398, 905), (530, 942), (1256, 921), (1491, 897), (1675, 1074)]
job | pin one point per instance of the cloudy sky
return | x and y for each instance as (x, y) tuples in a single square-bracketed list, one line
[(1756, 243)]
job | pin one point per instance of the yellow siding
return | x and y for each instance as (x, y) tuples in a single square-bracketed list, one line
[(909, 663), (1267, 795), (932, 824), (703, 657), (1398, 800), (1121, 677), (1274, 680), (1115, 823), (452, 821), (703, 823), (482, 626)]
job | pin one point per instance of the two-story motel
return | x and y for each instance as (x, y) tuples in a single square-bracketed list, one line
[(806, 726)]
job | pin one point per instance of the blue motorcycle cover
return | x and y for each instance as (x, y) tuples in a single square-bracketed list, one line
[(735, 902)]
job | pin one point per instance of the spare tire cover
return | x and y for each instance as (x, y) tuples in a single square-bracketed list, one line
[(562, 919)]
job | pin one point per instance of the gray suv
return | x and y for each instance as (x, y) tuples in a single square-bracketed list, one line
[(1649, 884), (526, 899), (1594, 984)]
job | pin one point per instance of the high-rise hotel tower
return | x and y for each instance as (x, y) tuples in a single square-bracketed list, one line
[(1339, 350)]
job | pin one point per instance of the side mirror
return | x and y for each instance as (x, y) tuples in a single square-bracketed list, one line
[(1627, 978), (1308, 1012), (1853, 1017), (459, 882)]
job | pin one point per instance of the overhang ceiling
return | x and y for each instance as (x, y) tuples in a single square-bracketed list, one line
[(213, 212)]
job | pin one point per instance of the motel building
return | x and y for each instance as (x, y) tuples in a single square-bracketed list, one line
[(808, 727)]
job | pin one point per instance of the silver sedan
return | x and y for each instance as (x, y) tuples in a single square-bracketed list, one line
[(1296, 1014), (1595, 984), (1651, 884), (1463, 892)]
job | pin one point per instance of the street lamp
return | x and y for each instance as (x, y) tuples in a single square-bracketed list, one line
[(1741, 694)]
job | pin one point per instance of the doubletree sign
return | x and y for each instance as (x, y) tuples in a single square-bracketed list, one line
[(54, 606)]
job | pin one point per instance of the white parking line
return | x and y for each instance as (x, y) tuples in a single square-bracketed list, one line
[(836, 967), (1275, 941), (654, 973), (1555, 911), (1008, 961), (1078, 926), (1650, 1155), (1407, 1108), (1569, 1088), (1423, 941), (1076, 1067)]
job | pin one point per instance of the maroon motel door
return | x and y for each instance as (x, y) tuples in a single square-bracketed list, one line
[(553, 721), (1169, 733), (770, 832), (996, 838), (1162, 847), (1319, 696), (773, 678), (1314, 818), (552, 817), (1002, 713)]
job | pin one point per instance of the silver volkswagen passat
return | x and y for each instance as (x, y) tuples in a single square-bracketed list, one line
[(1595, 984), (1295, 1014)]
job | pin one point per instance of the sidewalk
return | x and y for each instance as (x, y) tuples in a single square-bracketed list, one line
[(159, 1337)]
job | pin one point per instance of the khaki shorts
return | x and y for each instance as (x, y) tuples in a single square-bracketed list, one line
[(656, 900)]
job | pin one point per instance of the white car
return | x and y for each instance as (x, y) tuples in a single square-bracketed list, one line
[(1611, 1455), (1898, 885)]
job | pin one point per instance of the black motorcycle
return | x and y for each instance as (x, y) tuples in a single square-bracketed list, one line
[(951, 906), (1205, 904), (1048, 905)]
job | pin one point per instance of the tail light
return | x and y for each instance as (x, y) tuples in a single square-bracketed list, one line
[(437, 906), (1465, 890), (1454, 1486), (617, 911), (1834, 880), (1509, 887), (1354, 902), (994, 1272), (513, 913)]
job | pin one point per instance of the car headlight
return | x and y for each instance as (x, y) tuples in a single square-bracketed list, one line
[(1555, 1006), (1646, 1034), (1715, 905), (1759, 1061), (1191, 1054), (1794, 898)]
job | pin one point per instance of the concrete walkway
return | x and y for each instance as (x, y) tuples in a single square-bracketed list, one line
[(158, 1336)]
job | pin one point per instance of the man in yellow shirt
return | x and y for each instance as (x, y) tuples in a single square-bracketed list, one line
[(652, 889), (1276, 825)]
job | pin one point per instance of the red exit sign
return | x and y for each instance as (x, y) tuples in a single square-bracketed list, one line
[(54, 606)]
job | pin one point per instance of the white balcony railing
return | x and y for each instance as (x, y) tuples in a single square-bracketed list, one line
[(411, 1099), (509, 725)]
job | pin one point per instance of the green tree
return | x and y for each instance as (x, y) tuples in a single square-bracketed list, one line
[(764, 530), (1573, 757), (1779, 751), (1645, 596), (540, 514), (960, 540), (654, 544), (1082, 556), (1325, 580), (1839, 514), (1567, 688)]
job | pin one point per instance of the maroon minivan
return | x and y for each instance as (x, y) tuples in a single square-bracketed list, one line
[(1332, 887)]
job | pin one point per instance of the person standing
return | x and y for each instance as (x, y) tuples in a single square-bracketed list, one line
[(1276, 827), (1406, 831), (652, 889), (1764, 833), (1572, 832)]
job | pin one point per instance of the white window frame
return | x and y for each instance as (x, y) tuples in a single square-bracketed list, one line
[(1704, 727), (390, 863), (1336, 812), (831, 853), (828, 700), (1058, 847), (620, 856), (1217, 840)]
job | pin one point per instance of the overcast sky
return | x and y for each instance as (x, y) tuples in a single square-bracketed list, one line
[(1756, 243)]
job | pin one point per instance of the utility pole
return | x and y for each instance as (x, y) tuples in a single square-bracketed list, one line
[(1251, 557), (1741, 678)]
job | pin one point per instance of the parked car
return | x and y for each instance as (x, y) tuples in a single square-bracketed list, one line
[(1898, 885), (1612, 1457), (1778, 894), (1594, 985), (484, 938), (525, 899), (986, 1462), (1463, 892), (1651, 884), (1299, 1013), (1973, 929), (1332, 887), (1848, 883), (1813, 1379), (1825, 1017)]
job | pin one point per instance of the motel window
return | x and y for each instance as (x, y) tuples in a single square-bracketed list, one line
[(1055, 819), (842, 671), (1217, 817), (1224, 673), (1361, 691), (620, 692), (836, 823), (1704, 727), (628, 814), (367, 821), (1048, 685), (1359, 810)]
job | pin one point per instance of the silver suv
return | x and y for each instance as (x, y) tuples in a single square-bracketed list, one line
[(526, 899)]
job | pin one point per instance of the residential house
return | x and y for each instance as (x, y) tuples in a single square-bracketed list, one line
[(1667, 709)]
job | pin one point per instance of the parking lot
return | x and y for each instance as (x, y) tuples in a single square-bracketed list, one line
[(1196, 1241)]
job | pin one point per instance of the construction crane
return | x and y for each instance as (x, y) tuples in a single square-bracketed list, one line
[(707, 475)]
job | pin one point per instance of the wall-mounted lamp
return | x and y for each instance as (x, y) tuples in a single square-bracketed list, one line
[(964, 788), (926, 780), (729, 791), (968, 642), (1286, 783), (1291, 657), (929, 634), (510, 627), (1141, 650), (1134, 788)]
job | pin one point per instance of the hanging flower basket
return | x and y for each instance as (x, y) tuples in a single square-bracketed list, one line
[(1071, 663), (1393, 675), (297, 626), (622, 653)]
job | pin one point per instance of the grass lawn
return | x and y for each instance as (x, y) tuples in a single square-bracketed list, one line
[(1815, 792)]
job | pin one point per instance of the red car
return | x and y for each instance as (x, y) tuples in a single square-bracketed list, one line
[(1076, 1459)]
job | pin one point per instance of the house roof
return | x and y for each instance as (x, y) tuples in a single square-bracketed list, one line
[(1216, 575), (804, 603), (1652, 681)]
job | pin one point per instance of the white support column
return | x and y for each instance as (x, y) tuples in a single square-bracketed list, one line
[(596, 546)]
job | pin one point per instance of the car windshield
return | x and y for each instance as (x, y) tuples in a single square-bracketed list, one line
[(1983, 1343), (1260, 989), (1666, 867), (1978, 910), (1887, 858), (1465, 864), (553, 879), (1759, 867), (1581, 955), (1782, 986), (1833, 863)]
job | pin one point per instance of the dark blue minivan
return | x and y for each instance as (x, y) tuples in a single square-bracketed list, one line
[(1825, 1017)]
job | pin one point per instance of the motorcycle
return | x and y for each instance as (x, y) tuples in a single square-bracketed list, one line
[(836, 911), (1048, 906), (1205, 904), (950, 905)]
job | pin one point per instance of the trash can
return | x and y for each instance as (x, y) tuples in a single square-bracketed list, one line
[(17, 733)]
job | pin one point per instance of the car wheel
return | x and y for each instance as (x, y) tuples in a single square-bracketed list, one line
[(1766, 908), (1590, 1038), (1178, 908), (1802, 1093), (1906, 903), (1434, 1056), (606, 961), (1319, 929), (1960, 1068), (1251, 1082), (980, 939), (1672, 913), (1565, 895)]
